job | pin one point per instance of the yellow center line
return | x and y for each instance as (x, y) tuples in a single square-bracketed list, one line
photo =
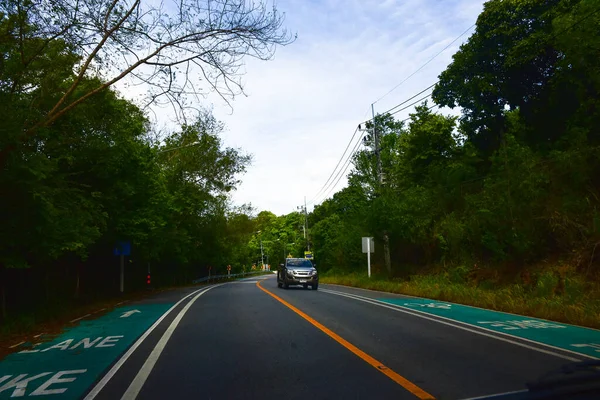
[(400, 380)]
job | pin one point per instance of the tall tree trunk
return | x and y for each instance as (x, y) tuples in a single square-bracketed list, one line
[(386, 253)]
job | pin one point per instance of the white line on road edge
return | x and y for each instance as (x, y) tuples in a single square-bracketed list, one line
[(454, 323), (496, 395), (138, 382), (100, 385), (15, 345), (77, 319), (401, 295)]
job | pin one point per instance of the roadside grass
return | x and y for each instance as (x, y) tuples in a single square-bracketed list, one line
[(578, 303)]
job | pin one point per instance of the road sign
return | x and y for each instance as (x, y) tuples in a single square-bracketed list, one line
[(368, 245), (308, 255), (122, 248), (229, 268)]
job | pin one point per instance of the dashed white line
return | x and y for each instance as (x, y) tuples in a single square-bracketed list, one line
[(15, 345), (77, 319)]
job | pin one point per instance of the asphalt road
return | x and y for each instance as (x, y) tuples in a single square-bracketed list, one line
[(238, 341)]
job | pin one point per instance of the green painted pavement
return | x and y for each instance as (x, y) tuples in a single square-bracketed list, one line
[(569, 337), (67, 366)]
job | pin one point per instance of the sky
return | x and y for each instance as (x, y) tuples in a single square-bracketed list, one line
[(302, 107)]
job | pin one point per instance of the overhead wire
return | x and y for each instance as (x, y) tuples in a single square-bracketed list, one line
[(410, 98), (424, 65), (325, 185), (347, 163), (342, 170), (354, 151), (340, 160), (337, 165), (411, 104)]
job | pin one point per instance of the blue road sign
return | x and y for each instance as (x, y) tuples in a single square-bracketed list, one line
[(123, 248)]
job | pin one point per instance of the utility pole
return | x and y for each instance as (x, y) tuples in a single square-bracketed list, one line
[(386, 238), (377, 152), (305, 226), (262, 254)]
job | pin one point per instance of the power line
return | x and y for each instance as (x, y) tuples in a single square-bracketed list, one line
[(575, 23), (325, 185), (409, 99), (411, 104), (337, 165), (429, 109), (424, 65), (404, 102), (347, 163), (340, 160), (343, 174), (342, 170)]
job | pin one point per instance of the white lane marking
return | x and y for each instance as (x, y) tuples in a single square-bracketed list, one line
[(496, 395), (138, 382), (465, 305), (106, 378), (453, 323), (77, 319), (129, 313), (401, 295), (38, 335), (15, 345)]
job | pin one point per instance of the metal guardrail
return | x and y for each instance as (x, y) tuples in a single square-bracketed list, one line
[(215, 277)]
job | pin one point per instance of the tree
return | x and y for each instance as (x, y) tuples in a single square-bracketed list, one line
[(524, 55), (170, 49)]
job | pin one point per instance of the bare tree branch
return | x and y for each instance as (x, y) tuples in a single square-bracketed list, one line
[(199, 44)]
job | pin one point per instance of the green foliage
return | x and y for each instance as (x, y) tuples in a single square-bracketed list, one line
[(91, 178), (514, 182)]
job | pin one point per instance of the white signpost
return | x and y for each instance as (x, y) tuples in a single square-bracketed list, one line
[(368, 246)]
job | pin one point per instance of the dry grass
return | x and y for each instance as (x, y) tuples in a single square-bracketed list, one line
[(579, 304)]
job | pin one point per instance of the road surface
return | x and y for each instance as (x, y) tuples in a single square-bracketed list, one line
[(251, 340)]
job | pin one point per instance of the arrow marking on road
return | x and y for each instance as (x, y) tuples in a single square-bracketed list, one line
[(129, 313)]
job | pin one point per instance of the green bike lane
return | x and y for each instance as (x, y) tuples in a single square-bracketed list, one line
[(572, 338), (66, 366)]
